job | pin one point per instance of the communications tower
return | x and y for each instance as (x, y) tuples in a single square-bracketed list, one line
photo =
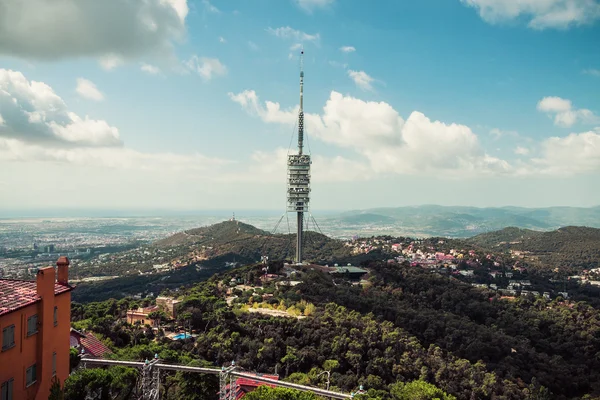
[(298, 188)]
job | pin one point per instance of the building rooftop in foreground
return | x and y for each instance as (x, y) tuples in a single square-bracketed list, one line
[(15, 294)]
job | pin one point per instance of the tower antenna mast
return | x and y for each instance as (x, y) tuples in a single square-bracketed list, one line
[(299, 173)]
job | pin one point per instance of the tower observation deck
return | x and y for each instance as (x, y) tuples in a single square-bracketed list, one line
[(298, 166)]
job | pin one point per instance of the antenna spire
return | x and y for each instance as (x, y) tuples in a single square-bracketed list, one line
[(301, 112)]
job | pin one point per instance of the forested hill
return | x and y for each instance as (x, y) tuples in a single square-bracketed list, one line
[(221, 233), (235, 240), (403, 324), (574, 246)]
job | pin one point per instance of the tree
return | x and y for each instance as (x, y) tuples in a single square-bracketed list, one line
[(269, 393), (418, 390), (56, 392), (157, 317)]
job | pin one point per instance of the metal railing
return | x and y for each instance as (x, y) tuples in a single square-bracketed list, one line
[(214, 371)]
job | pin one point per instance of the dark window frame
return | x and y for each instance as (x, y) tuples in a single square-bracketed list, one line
[(54, 362), (4, 331), (34, 375), (7, 386), (31, 333), (55, 315)]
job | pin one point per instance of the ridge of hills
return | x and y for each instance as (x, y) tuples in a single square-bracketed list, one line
[(455, 221), (204, 251)]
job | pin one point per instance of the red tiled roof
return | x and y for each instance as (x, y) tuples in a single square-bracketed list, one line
[(93, 346), (15, 294)]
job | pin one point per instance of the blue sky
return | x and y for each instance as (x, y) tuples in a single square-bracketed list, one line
[(179, 104)]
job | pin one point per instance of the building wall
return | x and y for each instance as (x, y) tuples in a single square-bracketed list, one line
[(38, 348)]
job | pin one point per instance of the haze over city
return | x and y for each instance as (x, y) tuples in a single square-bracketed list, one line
[(191, 104)]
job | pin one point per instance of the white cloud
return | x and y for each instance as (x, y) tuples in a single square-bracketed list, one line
[(522, 151), (541, 14), (288, 33), (210, 8), (110, 61), (361, 79), (104, 157), (270, 112), (387, 143), (253, 46), (338, 64), (347, 49), (38, 128), (2, 123), (310, 5), (296, 46), (576, 153), (592, 71), (498, 133), (33, 113), (150, 69), (207, 68), (112, 30), (564, 113), (222, 39), (87, 89)]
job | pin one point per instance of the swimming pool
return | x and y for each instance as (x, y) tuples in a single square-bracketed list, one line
[(180, 336)]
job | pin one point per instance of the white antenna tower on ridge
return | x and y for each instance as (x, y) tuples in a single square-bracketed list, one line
[(299, 173)]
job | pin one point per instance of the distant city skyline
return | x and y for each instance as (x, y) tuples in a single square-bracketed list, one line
[(190, 105)]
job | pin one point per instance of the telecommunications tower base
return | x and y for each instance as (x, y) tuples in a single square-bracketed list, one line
[(298, 188)]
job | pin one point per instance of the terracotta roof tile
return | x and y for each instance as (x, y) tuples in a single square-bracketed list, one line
[(15, 294), (93, 346)]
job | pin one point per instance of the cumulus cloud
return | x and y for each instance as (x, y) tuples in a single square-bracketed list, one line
[(386, 142), (498, 133), (222, 39), (270, 167), (564, 113), (112, 30), (32, 112), (347, 49), (207, 68), (522, 151), (253, 46), (541, 14), (36, 127), (361, 79), (270, 112), (87, 89), (289, 33), (150, 69), (575, 153), (310, 5)]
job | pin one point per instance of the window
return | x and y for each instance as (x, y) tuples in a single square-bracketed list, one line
[(7, 390), (32, 325), (8, 337), (55, 315), (31, 376), (54, 364)]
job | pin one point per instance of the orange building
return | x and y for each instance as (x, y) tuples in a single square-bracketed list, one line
[(35, 321)]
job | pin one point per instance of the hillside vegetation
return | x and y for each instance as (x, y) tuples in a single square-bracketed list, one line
[(405, 327), (571, 246), (235, 240)]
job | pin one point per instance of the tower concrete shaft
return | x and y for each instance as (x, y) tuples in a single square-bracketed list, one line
[(299, 175)]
